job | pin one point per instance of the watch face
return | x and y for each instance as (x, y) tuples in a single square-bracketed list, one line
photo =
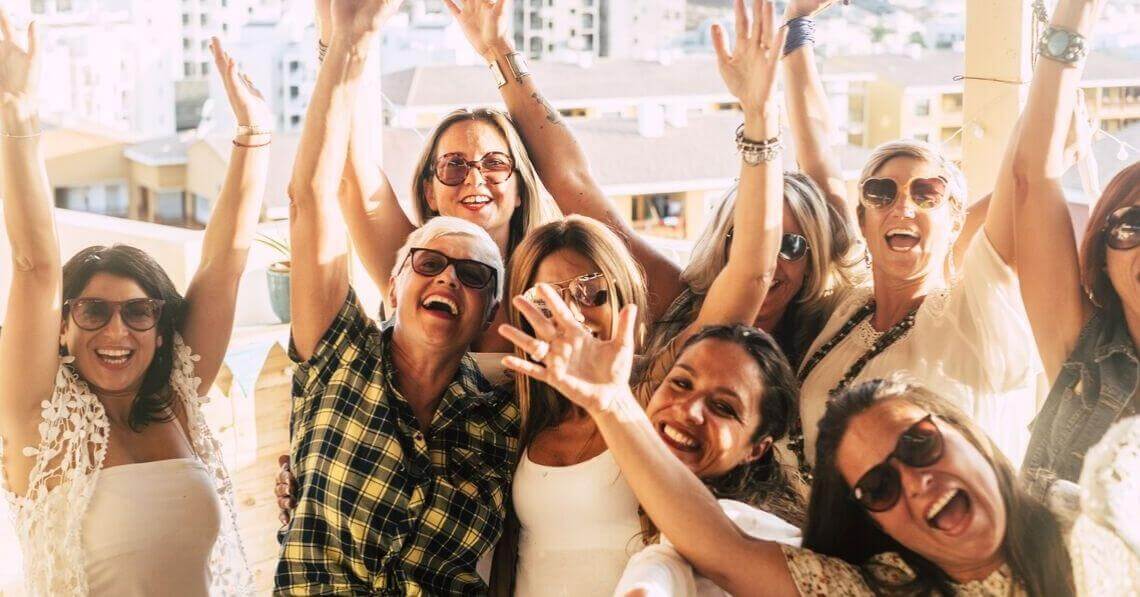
[(1057, 43)]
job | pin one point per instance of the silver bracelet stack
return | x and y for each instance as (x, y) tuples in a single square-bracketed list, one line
[(755, 153)]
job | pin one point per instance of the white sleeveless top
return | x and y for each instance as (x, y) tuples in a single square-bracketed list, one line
[(51, 523), (578, 527), (149, 529)]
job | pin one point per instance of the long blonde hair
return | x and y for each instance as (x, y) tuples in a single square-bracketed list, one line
[(541, 406), (834, 262), (536, 207)]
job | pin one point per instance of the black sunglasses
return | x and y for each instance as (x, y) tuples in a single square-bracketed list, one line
[(878, 490), (1122, 230), (881, 193), (590, 290), (92, 314), (429, 262), (451, 169), (793, 246)]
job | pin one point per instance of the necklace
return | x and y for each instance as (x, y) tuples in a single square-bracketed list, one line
[(894, 334)]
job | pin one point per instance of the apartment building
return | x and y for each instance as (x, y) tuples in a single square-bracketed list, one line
[(578, 30)]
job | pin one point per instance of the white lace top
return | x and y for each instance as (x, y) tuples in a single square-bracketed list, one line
[(73, 443), (970, 344)]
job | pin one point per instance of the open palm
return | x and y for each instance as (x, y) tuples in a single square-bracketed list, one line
[(361, 18), (589, 372), (749, 70), (484, 22), (19, 66), (249, 106)]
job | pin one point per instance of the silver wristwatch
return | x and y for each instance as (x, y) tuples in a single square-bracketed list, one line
[(1062, 46)]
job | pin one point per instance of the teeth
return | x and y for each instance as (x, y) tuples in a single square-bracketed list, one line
[(679, 436), (940, 503), (442, 300), (475, 200), (901, 232), (113, 354)]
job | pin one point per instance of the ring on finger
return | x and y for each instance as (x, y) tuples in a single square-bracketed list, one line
[(540, 351)]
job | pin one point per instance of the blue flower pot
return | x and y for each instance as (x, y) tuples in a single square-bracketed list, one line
[(278, 278)]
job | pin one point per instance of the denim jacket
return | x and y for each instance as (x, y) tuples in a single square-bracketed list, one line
[(1096, 387)]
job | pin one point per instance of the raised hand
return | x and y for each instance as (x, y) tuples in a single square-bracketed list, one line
[(19, 68), (749, 70), (808, 8), (590, 372), (359, 19), (484, 22), (249, 106)]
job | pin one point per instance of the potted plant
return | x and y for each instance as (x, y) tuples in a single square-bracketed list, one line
[(277, 275)]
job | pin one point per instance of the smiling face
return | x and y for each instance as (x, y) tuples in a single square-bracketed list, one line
[(490, 206), (440, 310), (113, 359), (708, 407), (790, 275), (908, 243), (567, 264), (950, 512)]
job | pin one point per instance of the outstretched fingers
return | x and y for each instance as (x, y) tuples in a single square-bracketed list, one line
[(525, 367), (720, 44), (627, 326), (563, 319)]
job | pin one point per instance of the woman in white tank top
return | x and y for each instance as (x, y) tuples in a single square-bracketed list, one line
[(115, 482)]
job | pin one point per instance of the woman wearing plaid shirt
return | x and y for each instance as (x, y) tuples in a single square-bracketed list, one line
[(401, 449)]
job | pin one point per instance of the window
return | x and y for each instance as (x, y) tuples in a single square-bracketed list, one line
[(924, 137), (185, 19), (186, 43), (294, 66), (38, 7), (922, 107), (952, 102), (203, 19), (169, 208), (659, 214), (294, 92), (188, 69), (573, 112), (108, 200), (295, 120), (202, 207), (205, 68), (63, 5)]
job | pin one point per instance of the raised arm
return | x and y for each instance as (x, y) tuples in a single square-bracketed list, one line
[(376, 223), (749, 72), (29, 344), (212, 295), (1028, 221), (808, 111), (593, 374), (320, 250), (561, 163)]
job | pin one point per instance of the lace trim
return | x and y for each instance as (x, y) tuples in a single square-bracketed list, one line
[(73, 445)]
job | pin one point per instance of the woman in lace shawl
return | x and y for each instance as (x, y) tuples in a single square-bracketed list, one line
[(909, 496), (114, 480)]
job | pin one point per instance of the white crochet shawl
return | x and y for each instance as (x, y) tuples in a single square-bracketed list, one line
[(73, 443)]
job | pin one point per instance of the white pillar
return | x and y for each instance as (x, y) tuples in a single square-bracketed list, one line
[(999, 45)]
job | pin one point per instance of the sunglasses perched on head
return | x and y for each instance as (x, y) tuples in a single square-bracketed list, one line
[(1122, 230), (878, 490), (926, 193), (590, 290), (92, 314), (451, 169), (429, 262), (793, 246)]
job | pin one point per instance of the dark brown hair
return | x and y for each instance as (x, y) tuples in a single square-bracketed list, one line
[(838, 526), (1122, 190), (154, 401)]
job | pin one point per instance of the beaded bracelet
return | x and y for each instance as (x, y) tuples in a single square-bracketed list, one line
[(801, 32), (757, 152)]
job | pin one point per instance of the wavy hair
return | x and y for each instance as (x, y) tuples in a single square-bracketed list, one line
[(154, 402), (834, 262), (1122, 190)]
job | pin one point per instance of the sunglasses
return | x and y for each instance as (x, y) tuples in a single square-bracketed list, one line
[(92, 314), (590, 290), (926, 193), (429, 262), (878, 490), (451, 169), (1122, 230), (793, 246)]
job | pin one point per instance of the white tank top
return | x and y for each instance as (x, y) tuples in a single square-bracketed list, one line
[(579, 527), (149, 529)]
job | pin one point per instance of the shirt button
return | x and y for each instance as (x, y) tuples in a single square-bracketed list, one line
[(419, 437)]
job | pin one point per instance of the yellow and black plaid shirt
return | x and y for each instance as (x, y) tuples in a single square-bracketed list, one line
[(383, 508)]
